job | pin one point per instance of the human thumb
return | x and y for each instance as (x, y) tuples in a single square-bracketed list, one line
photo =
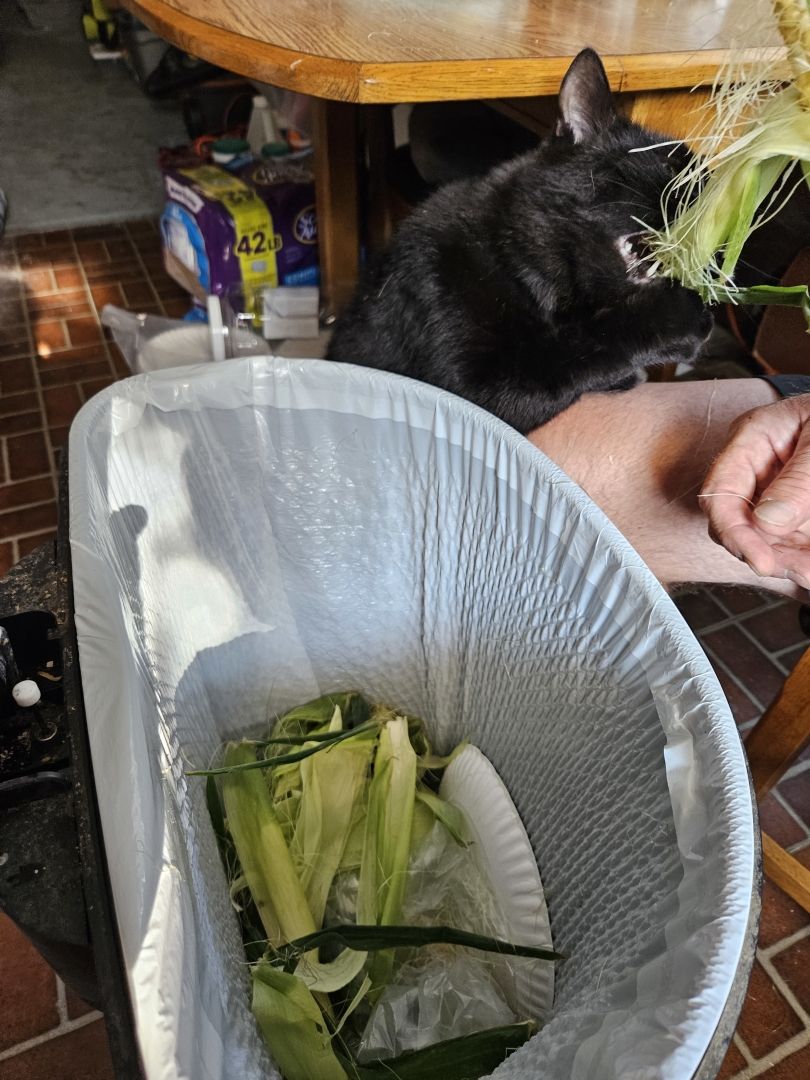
[(785, 504)]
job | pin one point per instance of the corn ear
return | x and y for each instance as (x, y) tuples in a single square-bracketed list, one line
[(293, 1026)]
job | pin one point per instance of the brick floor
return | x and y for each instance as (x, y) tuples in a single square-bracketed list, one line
[(54, 353), (53, 357), (749, 636)]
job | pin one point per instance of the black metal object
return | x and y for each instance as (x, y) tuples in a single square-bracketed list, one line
[(53, 871)]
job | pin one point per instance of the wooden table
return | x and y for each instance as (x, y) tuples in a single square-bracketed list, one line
[(351, 53)]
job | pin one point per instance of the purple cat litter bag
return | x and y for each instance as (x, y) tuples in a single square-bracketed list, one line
[(234, 234)]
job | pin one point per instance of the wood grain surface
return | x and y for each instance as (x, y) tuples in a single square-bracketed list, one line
[(369, 51)]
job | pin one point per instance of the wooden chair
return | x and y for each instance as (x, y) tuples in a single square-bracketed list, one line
[(772, 745)]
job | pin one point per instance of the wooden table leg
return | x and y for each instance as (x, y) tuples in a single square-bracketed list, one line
[(334, 138)]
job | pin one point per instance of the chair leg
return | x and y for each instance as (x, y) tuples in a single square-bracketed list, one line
[(786, 871), (783, 732)]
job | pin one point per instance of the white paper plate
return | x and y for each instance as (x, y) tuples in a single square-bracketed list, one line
[(504, 853)]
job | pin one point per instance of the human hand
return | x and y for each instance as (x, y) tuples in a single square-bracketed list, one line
[(757, 493)]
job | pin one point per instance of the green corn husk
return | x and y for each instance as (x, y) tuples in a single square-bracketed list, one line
[(293, 1026), (387, 840), (331, 797), (468, 1057), (371, 938), (254, 763), (760, 132), (262, 850), (300, 807), (316, 714)]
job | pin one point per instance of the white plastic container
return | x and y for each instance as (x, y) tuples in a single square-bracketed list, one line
[(249, 534), (261, 126)]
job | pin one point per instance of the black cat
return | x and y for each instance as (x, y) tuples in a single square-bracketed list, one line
[(522, 290)]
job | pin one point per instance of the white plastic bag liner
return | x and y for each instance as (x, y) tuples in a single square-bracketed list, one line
[(251, 534)]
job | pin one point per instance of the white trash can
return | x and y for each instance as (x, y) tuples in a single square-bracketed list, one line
[(250, 534)]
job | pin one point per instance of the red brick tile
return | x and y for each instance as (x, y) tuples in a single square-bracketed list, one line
[(63, 374), (69, 277), (749, 663), (119, 248), (20, 422), (14, 342), (795, 1067), (17, 403), (790, 659), (109, 273), (49, 335), (778, 824), (12, 312), (88, 389), (28, 241), (28, 455), (61, 404), (6, 563), (83, 1054), (59, 436), (39, 280), (62, 256), (16, 375), (796, 793), (68, 357), (733, 1063), (76, 1007), (741, 704), (777, 627), (170, 290), (142, 227), (28, 520), (740, 599), (98, 232), (803, 856), (781, 916), (155, 264), (83, 331), (27, 988), (8, 295), (92, 252), (697, 608), (122, 368), (137, 292), (176, 309), (25, 492), (766, 1020), (60, 305), (107, 294), (793, 964), (57, 238), (27, 544)]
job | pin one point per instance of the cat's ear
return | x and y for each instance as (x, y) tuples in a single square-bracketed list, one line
[(586, 104)]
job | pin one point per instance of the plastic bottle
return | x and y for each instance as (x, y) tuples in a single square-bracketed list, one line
[(262, 128)]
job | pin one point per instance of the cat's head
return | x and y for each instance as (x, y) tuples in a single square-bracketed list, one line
[(618, 169)]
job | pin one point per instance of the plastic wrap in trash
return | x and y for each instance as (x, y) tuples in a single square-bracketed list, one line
[(248, 535), (445, 992)]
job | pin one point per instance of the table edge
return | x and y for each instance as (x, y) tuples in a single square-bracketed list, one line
[(362, 82)]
